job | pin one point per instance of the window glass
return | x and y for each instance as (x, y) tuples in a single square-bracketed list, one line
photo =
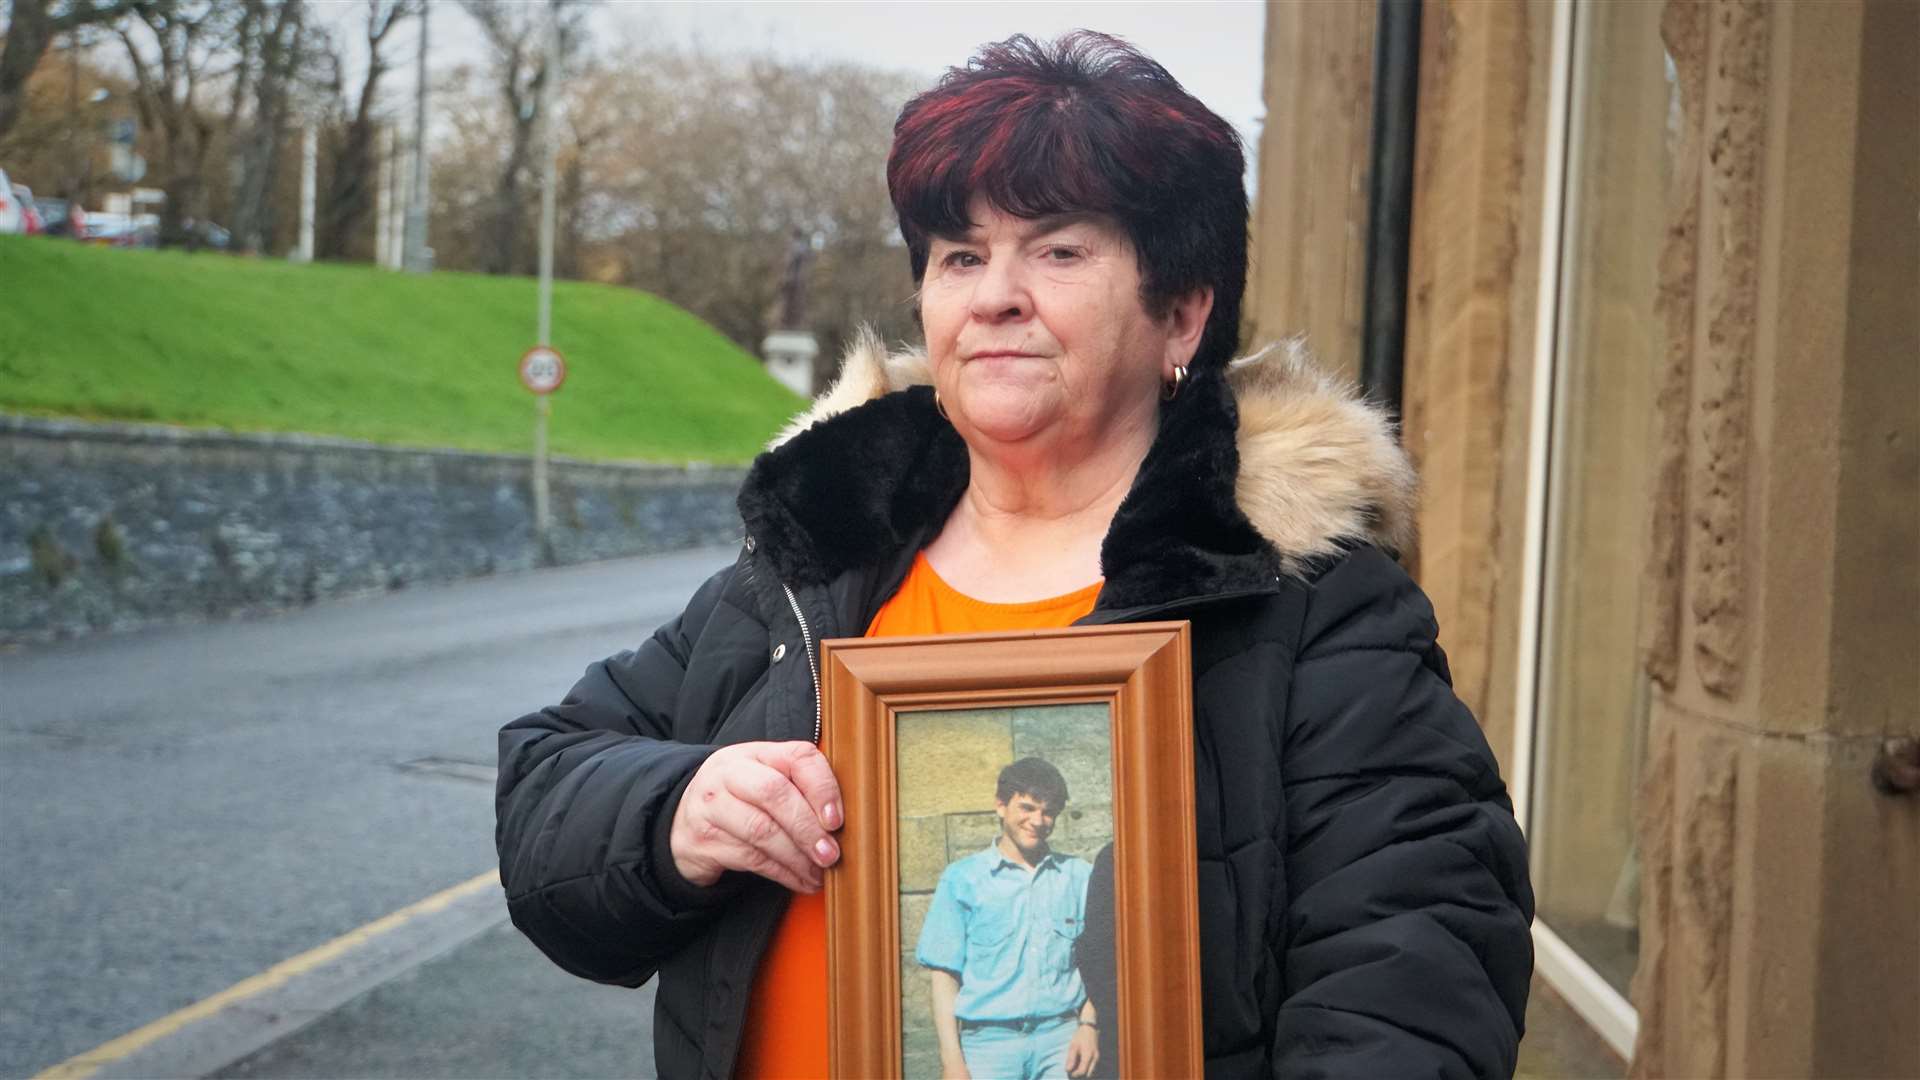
[(1591, 711)]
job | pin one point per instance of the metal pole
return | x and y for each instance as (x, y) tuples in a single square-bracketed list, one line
[(400, 168), (542, 405), (550, 128), (383, 197), (74, 126), (1396, 88), (309, 158), (417, 256)]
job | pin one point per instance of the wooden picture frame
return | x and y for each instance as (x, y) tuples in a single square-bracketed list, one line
[(1142, 673)]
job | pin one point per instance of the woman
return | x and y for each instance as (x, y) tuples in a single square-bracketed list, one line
[(1084, 452)]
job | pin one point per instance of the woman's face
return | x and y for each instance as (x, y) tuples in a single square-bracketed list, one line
[(1037, 336)]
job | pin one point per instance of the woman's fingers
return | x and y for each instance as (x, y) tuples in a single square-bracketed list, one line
[(737, 855), (758, 838), (715, 845), (770, 788), (807, 768), (763, 808)]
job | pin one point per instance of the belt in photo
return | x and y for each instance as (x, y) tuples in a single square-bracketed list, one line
[(1026, 1025)]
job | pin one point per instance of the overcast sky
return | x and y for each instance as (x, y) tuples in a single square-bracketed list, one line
[(1213, 48)]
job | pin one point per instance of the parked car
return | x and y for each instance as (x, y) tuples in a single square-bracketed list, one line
[(207, 234), (35, 225), (13, 217), (62, 217), (107, 227), (122, 230)]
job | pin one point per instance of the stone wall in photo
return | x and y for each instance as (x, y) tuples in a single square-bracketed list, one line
[(948, 765), (116, 526)]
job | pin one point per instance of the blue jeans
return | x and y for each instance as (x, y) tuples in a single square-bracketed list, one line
[(998, 1052)]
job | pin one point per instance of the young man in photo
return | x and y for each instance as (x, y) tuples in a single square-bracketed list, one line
[(999, 939)]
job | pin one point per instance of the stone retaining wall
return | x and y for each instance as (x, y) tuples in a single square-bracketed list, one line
[(113, 526)]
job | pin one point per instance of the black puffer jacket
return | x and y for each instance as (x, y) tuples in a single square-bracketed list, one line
[(1363, 887)]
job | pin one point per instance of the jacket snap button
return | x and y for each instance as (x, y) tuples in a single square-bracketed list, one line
[(749, 545), (779, 652)]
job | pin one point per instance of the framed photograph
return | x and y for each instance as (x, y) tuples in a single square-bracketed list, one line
[(1017, 880)]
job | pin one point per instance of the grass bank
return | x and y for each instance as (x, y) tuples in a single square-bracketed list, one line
[(336, 349)]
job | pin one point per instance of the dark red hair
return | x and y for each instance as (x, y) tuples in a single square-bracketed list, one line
[(1086, 123)]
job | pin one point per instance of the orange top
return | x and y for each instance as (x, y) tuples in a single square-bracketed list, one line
[(786, 1033)]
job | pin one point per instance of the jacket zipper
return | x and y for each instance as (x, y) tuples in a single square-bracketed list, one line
[(806, 645)]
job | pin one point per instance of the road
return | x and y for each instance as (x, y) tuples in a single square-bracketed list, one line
[(182, 809)]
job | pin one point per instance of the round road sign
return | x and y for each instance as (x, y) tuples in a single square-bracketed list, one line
[(543, 369)]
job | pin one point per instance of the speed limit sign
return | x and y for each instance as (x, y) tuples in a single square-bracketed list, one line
[(543, 369)]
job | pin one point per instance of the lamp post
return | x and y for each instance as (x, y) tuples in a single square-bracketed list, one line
[(82, 193), (543, 320), (418, 257)]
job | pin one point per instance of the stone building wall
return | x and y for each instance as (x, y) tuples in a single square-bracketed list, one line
[(1778, 596), (1479, 180), (1782, 907), (949, 764), (1307, 271), (111, 527)]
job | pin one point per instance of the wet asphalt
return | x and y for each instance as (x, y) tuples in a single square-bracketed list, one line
[(185, 807)]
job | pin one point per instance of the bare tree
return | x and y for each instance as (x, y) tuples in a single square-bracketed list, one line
[(583, 199), (516, 33), (348, 198), (50, 147), (31, 27), (175, 47), (464, 162), (713, 163), (686, 173), (271, 40)]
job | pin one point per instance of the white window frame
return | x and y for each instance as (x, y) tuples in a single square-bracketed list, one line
[(1570, 975)]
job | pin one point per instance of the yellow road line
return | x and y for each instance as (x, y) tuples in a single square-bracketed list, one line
[(83, 1065)]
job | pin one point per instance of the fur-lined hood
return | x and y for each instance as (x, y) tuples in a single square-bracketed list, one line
[(1261, 470)]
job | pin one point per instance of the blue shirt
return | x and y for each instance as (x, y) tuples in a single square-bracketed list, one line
[(1008, 933)]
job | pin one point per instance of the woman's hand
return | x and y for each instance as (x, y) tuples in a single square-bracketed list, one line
[(763, 807)]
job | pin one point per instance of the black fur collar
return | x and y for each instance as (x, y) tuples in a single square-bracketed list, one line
[(854, 489)]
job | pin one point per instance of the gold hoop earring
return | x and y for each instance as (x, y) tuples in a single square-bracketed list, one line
[(1171, 390), (940, 408)]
